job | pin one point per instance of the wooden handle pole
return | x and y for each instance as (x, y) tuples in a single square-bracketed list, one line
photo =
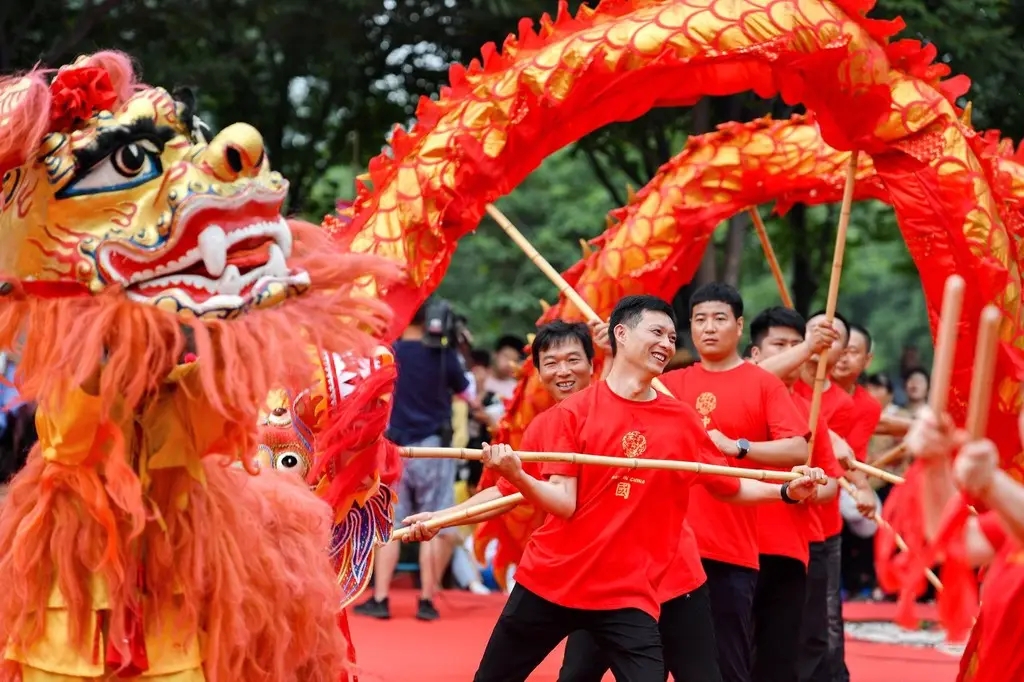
[(556, 278), (901, 544), (886, 476), (945, 343), (617, 462), (984, 372), (833, 293), (890, 456), (769, 252), (463, 516)]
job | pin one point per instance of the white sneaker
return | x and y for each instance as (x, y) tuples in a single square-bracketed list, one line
[(478, 588)]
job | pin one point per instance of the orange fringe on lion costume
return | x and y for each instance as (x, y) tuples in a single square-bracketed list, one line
[(156, 297)]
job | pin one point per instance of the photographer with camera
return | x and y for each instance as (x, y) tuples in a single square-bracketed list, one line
[(430, 373)]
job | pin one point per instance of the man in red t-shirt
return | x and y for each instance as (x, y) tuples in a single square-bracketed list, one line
[(994, 539), (847, 373), (822, 653), (598, 561), (563, 354), (751, 418), (858, 563), (784, 532)]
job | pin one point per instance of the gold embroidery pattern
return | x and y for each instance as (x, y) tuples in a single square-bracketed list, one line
[(634, 444), (706, 404), (622, 490)]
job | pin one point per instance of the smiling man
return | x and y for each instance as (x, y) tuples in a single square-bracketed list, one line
[(563, 354), (613, 533)]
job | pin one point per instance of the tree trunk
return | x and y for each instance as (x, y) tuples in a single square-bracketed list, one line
[(803, 285), (734, 241)]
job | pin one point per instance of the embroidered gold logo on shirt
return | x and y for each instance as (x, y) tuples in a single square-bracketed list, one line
[(634, 444), (622, 490), (706, 404)]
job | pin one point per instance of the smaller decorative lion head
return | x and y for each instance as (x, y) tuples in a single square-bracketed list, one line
[(281, 447)]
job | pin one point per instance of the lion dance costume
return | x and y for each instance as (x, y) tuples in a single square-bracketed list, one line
[(337, 423), (156, 297)]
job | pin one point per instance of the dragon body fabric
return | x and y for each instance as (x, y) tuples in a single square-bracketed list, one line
[(156, 296), (953, 190)]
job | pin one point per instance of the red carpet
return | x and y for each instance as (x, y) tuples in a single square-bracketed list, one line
[(406, 650)]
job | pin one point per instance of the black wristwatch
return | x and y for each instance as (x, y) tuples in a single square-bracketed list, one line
[(743, 445), (784, 493)]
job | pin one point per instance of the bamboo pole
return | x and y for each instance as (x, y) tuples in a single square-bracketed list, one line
[(617, 462), (890, 456), (901, 544), (833, 294), (464, 516), (886, 476), (769, 252), (556, 278), (984, 372)]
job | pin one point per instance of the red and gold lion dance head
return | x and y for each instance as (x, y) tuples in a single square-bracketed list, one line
[(128, 232), (156, 296), (117, 187)]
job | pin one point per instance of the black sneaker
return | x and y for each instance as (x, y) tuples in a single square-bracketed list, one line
[(426, 610), (374, 609)]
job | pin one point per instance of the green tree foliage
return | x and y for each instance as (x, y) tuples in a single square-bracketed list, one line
[(325, 82), (492, 281)]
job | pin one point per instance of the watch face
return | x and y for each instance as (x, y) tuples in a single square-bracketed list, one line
[(743, 444)]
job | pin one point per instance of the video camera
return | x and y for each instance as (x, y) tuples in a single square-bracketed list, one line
[(442, 327)]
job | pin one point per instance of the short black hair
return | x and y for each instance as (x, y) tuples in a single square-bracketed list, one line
[(509, 341), (558, 332), (748, 351), (718, 292), (838, 316), (881, 380), (863, 331), (776, 316), (419, 318), (480, 357), (917, 370), (630, 309)]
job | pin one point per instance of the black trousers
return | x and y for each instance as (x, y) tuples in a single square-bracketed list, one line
[(821, 640), (530, 628), (858, 564), (732, 606), (778, 613), (687, 637)]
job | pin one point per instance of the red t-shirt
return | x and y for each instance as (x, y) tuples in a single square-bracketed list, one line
[(867, 412), (615, 549), (537, 438), (999, 656), (743, 402), (838, 412), (787, 529)]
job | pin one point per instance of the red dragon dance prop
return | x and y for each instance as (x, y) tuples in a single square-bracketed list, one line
[(548, 87)]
